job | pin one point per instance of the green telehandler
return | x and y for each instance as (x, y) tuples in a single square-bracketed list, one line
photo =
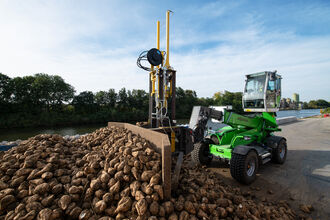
[(247, 141)]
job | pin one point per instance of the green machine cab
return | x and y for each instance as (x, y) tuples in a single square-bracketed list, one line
[(262, 92), (247, 141)]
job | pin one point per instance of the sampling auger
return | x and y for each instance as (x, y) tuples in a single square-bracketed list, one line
[(161, 82), (162, 85)]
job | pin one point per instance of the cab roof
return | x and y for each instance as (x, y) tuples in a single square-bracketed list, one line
[(262, 73)]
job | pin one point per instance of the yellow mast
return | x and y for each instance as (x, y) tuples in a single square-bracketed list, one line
[(167, 62), (158, 30), (153, 77)]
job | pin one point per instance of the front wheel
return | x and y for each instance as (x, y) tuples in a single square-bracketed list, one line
[(201, 153), (243, 168), (279, 153)]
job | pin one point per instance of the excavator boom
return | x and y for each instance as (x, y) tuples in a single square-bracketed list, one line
[(234, 120)]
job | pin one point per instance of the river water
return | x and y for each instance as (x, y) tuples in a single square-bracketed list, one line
[(298, 113), (24, 133)]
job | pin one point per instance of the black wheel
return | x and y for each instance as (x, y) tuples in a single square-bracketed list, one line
[(279, 153), (243, 168), (201, 153)]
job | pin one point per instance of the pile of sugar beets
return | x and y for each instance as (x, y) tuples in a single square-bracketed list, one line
[(113, 174)]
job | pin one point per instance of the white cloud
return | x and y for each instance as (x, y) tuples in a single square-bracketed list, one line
[(94, 46), (304, 65), (59, 38)]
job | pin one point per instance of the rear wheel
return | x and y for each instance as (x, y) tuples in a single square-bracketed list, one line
[(279, 153), (201, 153), (243, 168)]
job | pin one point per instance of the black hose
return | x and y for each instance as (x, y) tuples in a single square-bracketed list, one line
[(143, 57)]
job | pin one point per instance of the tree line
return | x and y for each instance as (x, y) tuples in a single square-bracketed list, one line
[(47, 100), (315, 104)]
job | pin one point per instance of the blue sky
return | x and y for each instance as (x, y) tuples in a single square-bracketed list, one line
[(94, 45)]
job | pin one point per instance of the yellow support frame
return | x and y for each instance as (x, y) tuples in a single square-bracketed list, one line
[(172, 141), (167, 62)]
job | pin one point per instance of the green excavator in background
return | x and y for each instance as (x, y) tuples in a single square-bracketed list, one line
[(247, 141)]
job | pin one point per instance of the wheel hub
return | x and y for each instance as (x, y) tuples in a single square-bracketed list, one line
[(282, 152), (251, 166)]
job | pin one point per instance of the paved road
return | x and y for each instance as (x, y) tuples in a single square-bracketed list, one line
[(306, 173), (305, 176)]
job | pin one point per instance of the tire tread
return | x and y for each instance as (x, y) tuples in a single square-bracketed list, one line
[(195, 154), (237, 166), (276, 157), (238, 170)]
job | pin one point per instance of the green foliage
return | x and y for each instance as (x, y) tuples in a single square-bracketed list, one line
[(112, 98), (47, 100), (5, 92), (52, 91), (315, 104), (305, 105), (185, 100), (229, 98), (4, 88), (101, 98), (122, 99), (84, 102)]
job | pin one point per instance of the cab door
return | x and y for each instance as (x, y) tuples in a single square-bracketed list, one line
[(278, 91), (271, 93)]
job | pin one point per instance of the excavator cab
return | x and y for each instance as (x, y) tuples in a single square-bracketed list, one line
[(262, 92)]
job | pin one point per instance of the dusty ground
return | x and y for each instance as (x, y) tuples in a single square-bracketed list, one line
[(305, 176)]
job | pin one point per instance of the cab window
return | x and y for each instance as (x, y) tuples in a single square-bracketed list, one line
[(255, 84), (271, 85), (278, 84)]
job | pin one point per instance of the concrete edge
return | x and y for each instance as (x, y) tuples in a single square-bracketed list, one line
[(285, 120), (162, 145)]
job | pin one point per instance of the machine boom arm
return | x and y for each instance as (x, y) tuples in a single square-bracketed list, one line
[(201, 115), (198, 120), (234, 120)]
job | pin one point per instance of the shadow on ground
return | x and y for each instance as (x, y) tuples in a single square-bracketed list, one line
[(303, 179)]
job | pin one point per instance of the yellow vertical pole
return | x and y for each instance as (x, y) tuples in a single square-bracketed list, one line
[(167, 62), (158, 36), (152, 78), (158, 33), (158, 42), (152, 67), (172, 141)]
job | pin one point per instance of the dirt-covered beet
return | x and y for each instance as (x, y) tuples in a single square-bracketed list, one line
[(113, 174)]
